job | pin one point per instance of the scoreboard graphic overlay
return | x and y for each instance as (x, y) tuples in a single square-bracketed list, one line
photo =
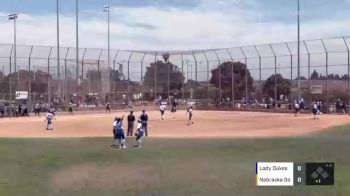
[(294, 174)]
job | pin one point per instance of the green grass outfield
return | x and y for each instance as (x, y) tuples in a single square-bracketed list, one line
[(35, 167)]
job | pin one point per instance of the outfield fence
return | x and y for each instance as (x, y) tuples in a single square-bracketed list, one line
[(195, 75)]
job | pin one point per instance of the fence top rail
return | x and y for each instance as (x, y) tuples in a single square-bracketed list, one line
[(266, 46)]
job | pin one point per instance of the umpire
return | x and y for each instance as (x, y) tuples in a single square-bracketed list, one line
[(131, 121)]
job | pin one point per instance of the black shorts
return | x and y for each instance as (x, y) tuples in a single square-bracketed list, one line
[(162, 112)]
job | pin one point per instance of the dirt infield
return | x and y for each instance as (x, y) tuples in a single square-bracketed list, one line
[(208, 124)]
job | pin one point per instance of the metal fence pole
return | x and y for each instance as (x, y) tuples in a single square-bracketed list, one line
[(246, 74), (183, 79), (65, 82), (114, 86), (98, 60), (100, 72), (275, 58), (142, 83), (208, 90), (155, 76), (196, 72), (77, 42), (29, 58), (220, 85), (291, 70), (65, 63), (232, 79), (142, 61), (30, 76), (49, 78), (10, 74), (260, 73), (58, 49), (309, 70), (168, 82), (327, 93), (348, 50), (82, 64), (115, 59), (129, 76)]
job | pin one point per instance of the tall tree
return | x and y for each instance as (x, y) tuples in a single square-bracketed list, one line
[(37, 81), (314, 75), (191, 84), (2, 75), (345, 77), (239, 72), (92, 82), (331, 76), (162, 72), (337, 77), (40, 82), (283, 86), (118, 82)]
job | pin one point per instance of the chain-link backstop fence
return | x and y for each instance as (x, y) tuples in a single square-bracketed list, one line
[(260, 76)]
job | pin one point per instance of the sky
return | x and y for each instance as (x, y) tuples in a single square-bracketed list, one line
[(174, 24)]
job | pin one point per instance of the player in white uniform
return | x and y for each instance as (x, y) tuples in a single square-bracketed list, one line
[(296, 108), (162, 111), (140, 134), (48, 119), (119, 132), (189, 111), (315, 111)]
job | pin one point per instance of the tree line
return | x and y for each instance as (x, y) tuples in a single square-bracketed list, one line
[(161, 77)]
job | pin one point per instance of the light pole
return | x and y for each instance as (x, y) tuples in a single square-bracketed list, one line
[(107, 10), (89, 75), (14, 18), (3, 71), (299, 93), (58, 48), (77, 40)]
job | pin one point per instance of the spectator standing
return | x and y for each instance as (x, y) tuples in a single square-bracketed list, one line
[(144, 121), (131, 121)]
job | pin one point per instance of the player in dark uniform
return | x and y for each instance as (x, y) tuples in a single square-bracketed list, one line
[(108, 107), (2, 111), (173, 109), (19, 111), (131, 121), (189, 111), (343, 107), (144, 121), (70, 110), (37, 109), (25, 111)]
